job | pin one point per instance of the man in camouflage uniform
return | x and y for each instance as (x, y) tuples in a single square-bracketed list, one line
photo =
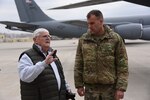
[(101, 64)]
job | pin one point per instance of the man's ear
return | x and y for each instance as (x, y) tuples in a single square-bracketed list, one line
[(101, 20), (34, 39)]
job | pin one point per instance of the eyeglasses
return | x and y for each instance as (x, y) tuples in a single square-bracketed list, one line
[(46, 36)]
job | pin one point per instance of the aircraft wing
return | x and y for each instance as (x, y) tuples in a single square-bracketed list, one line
[(84, 3), (140, 2), (94, 2), (19, 26)]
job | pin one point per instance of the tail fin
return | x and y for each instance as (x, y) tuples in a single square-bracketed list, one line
[(29, 11)]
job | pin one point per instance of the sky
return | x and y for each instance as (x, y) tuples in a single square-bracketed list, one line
[(8, 11)]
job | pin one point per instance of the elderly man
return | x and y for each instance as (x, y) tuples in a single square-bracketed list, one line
[(41, 75)]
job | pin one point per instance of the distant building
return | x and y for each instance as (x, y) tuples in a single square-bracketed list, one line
[(2, 37)]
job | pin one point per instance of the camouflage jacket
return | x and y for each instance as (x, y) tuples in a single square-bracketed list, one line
[(101, 60)]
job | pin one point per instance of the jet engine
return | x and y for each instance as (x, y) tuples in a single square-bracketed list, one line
[(146, 33), (129, 31)]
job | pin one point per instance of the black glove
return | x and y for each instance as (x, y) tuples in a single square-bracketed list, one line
[(70, 95)]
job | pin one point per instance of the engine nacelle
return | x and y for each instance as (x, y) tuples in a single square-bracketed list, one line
[(129, 31), (146, 34)]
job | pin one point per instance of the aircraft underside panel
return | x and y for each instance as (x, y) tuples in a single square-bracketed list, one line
[(64, 30)]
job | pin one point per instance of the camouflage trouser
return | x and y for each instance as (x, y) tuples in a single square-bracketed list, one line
[(99, 92)]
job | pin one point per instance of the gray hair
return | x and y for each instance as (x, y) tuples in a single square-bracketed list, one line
[(38, 31)]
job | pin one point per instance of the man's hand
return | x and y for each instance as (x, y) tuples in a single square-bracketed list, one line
[(49, 58), (119, 95), (81, 91)]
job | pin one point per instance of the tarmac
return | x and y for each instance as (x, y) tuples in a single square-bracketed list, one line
[(139, 67)]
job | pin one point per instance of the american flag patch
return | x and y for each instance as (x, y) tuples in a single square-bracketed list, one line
[(28, 1)]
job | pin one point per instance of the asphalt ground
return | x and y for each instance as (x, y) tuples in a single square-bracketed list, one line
[(139, 67)]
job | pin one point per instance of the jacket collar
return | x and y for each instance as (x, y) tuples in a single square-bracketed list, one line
[(39, 49), (107, 34)]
